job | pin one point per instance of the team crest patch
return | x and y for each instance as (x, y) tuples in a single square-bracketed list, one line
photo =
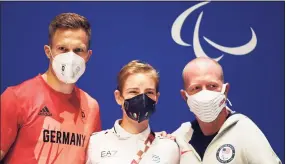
[(225, 153)]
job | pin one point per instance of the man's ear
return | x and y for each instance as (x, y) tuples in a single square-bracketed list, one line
[(89, 53), (227, 89), (183, 94), (47, 50)]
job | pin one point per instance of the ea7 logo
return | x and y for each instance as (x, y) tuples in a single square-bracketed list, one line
[(111, 153), (199, 52)]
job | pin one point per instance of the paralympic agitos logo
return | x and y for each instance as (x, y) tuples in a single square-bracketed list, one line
[(198, 50)]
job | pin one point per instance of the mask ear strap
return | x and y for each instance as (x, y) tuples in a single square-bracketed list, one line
[(187, 95), (229, 102), (121, 96), (223, 91), (227, 108)]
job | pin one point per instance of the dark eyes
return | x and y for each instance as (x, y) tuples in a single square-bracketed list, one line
[(150, 92), (212, 86), (136, 92), (77, 50), (198, 88), (62, 49), (195, 88)]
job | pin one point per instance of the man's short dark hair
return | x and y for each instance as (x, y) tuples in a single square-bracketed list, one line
[(69, 21)]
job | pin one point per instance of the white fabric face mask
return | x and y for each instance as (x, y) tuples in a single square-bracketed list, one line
[(68, 67), (207, 105)]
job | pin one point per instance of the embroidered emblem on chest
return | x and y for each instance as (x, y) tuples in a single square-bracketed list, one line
[(225, 153)]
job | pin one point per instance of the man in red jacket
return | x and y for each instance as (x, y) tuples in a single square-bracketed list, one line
[(47, 119)]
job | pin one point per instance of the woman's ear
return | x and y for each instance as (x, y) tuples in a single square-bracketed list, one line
[(119, 99), (157, 97)]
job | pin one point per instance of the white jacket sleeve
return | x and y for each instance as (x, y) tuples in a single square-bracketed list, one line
[(170, 153), (163, 151), (183, 135), (93, 154), (89, 152), (187, 152), (185, 130), (257, 149)]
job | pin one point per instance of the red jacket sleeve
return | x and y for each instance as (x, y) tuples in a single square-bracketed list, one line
[(10, 119), (97, 121)]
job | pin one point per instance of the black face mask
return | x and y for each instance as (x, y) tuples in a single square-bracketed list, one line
[(139, 108)]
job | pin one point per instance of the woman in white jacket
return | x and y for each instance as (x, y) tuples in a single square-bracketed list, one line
[(131, 140)]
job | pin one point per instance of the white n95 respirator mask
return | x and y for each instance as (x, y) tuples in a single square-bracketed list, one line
[(68, 67), (206, 104)]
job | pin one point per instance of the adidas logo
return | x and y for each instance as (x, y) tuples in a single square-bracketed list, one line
[(45, 112)]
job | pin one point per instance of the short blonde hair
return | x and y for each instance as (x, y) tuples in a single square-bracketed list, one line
[(133, 67)]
